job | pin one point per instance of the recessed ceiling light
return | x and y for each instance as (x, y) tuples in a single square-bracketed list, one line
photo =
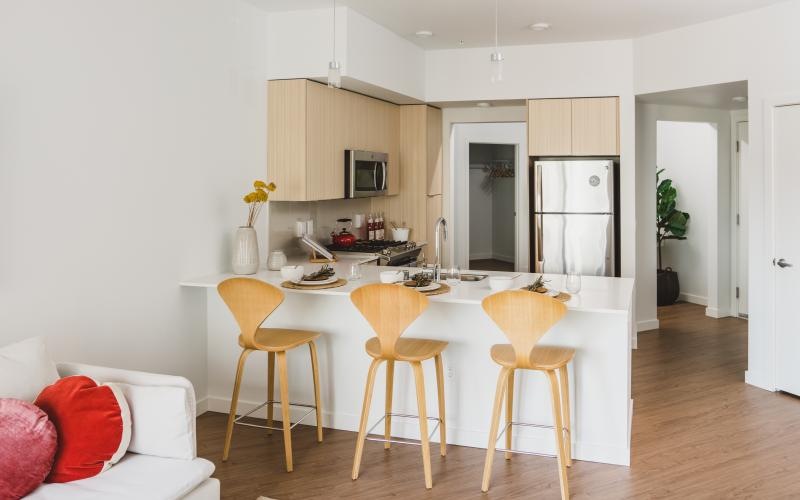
[(739, 98), (483, 105), (539, 26), (424, 33)]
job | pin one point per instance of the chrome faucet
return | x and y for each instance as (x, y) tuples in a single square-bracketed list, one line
[(437, 269)]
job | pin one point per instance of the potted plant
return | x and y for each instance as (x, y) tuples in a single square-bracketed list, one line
[(245, 250), (671, 224)]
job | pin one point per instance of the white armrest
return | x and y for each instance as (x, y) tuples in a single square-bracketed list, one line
[(103, 374)]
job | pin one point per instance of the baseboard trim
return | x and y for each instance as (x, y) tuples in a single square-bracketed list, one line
[(201, 406), (527, 439), (713, 312), (693, 299), (753, 380), (647, 325)]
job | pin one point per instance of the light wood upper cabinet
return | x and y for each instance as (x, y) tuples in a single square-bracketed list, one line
[(595, 126), (311, 125), (573, 127), (549, 127)]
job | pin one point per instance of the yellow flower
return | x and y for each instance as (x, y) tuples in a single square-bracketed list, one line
[(271, 186), (261, 195), (259, 184)]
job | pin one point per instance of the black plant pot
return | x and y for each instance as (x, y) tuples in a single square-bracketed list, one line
[(667, 287)]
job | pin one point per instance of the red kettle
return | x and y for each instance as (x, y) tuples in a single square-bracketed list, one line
[(345, 238)]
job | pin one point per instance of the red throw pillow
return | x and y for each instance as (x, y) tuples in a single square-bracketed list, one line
[(93, 423), (27, 447)]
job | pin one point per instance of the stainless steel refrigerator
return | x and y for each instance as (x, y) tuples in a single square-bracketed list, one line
[(575, 217)]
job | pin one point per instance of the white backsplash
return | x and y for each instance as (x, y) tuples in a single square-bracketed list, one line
[(283, 215)]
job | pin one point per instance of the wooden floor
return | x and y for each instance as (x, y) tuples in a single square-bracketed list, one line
[(491, 265), (698, 432)]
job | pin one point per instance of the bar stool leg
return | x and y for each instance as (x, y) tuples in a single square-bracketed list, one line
[(287, 432), (558, 428), (387, 429), (362, 428), (509, 411), (234, 400), (502, 379), (423, 422), (442, 424), (317, 400), (270, 388), (564, 381)]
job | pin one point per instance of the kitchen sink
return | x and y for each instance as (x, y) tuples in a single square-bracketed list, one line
[(473, 277)]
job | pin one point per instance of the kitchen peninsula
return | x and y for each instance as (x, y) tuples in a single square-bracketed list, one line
[(598, 326)]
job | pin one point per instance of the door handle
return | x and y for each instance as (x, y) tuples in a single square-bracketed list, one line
[(781, 263)]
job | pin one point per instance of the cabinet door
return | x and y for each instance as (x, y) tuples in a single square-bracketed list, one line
[(392, 148), (434, 147), (324, 167), (286, 139), (550, 127), (595, 126)]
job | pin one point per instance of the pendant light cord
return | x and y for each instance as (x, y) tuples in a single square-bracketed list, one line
[(495, 25), (334, 31)]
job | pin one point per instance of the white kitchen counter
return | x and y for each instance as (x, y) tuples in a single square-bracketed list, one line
[(599, 325)]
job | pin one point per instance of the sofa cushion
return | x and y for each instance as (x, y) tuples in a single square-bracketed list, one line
[(134, 477), (93, 424), (27, 447), (162, 421), (25, 369)]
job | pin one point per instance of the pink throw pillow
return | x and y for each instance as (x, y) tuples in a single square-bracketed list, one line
[(27, 447)]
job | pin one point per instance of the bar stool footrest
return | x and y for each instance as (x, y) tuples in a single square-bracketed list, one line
[(524, 424), (311, 409), (414, 442)]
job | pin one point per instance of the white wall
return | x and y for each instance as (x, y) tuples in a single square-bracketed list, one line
[(754, 46), (129, 132), (687, 152)]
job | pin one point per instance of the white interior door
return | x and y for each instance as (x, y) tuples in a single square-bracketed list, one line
[(742, 212), (786, 206)]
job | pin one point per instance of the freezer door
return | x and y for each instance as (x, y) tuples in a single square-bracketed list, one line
[(584, 243), (574, 186)]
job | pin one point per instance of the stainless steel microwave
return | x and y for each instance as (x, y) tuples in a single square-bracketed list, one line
[(365, 173)]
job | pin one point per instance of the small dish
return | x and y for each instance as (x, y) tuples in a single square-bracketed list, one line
[(427, 288), (326, 281), (500, 283), (292, 273)]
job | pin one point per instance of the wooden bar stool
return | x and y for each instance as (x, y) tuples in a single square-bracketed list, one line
[(524, 317), (251, 302), (390, 309)]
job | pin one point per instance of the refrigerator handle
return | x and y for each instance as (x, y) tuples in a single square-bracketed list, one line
[(537, 180), (539, 264)]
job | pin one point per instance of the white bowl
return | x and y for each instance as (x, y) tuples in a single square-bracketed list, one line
[(400, 233), (391, 276), (292, 273), (500, 283)]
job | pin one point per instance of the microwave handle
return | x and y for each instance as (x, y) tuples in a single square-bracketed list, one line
[(375, 176), (383, 187)]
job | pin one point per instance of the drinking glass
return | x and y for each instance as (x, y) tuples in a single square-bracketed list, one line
[(355, 272), (573, 281), (454, 276)]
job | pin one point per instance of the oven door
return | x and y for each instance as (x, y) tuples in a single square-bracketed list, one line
[(365, 174)]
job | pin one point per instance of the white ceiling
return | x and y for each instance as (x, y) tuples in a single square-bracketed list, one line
[(470, 23), (719, 96)]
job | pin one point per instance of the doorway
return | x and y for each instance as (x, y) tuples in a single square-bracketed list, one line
[(492, 172), (490, 202), (739, 183)]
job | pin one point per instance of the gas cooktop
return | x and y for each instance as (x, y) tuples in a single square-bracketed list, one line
[(373, 246)]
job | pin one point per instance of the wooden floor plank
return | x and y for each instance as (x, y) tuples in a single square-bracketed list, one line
[(698, 432)]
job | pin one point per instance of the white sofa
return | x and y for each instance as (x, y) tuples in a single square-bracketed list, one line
[(139, 476)]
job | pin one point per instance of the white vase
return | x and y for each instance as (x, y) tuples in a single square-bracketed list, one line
[(245, 251)]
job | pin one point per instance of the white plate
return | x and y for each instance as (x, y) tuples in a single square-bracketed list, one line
[(320, 282), (426, 288)]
